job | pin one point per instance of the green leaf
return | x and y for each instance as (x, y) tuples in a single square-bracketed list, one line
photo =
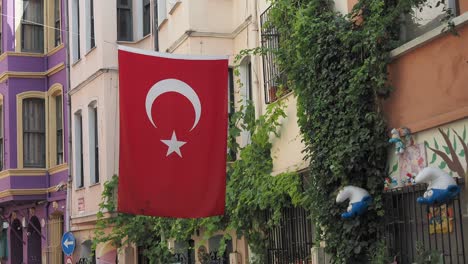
[(447, 150), (442, 165), (434, 157), (462, 153), (426, 144), (454, 143), (464, 133), (394, 169), (436, 145), (448, 132)]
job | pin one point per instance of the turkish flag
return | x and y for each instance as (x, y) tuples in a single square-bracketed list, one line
[(173, 134)]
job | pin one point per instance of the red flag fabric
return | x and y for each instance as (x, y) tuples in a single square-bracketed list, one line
[(173, 133)]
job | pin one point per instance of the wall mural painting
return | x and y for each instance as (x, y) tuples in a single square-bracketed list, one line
[(451, 153), (445, 148)]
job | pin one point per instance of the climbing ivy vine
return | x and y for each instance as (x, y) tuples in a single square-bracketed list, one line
[(337, 67), (251, 191)]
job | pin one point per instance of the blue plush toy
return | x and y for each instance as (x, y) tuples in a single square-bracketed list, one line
[(399, 145), (359, 200), (441, 186)]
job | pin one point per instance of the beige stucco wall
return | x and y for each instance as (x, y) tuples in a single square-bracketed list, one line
[(102, 90)]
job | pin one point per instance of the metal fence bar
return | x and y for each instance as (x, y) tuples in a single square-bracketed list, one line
[(406, 220), (291, 240)]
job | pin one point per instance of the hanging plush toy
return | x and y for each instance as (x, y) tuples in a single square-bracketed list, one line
[(359, 200), (399, 146), (441, 186)]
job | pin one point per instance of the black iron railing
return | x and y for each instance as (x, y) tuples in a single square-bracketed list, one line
[(274, 80), (290, 241), (412, 228)]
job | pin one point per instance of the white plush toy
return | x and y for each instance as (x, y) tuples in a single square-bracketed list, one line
[(441, 186), (359, 200)]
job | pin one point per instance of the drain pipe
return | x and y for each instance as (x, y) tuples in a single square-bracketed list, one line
[(155, 26), (70, 160)]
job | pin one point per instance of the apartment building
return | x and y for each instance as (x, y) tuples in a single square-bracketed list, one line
[(96, 29), (33, 130), (206, 27)]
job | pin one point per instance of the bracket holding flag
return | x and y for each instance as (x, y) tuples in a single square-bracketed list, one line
[(176, 168)]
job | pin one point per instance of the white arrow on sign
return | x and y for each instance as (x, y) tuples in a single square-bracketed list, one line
[(67, 242)]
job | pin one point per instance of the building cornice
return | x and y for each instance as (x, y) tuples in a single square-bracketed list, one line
[(31, 75), (6, 54), (22, 172), (32, 172), (58, 168), (91, 78), (194, 33)]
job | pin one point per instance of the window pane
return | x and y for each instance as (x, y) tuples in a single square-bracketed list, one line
[(124, 24), (59, 127), (57, 22), (93, 42), (96, 149), (32, 38), (34, 133), (58, 111), (32, 30), (146, 18)]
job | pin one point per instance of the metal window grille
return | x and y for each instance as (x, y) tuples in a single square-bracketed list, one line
[(274, 80), (291, 241), (437, 228)]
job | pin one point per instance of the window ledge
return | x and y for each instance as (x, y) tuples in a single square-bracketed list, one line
[(427, 37), (95, 184), (80, 188), (90, 50), (162, 23), (123, 42), (76, 62), (283, 97), (174, 7)]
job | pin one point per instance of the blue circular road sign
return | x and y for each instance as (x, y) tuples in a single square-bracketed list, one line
[(68, 243)]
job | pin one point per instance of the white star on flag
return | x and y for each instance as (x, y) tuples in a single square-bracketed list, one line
[(173, 145)]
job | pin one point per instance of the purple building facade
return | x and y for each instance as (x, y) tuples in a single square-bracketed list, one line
[(34, 130)]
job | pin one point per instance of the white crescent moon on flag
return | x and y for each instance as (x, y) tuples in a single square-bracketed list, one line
[(176, 86)]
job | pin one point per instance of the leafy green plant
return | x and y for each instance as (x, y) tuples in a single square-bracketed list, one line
[(380, 254), (427, 256), (251, 191)]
